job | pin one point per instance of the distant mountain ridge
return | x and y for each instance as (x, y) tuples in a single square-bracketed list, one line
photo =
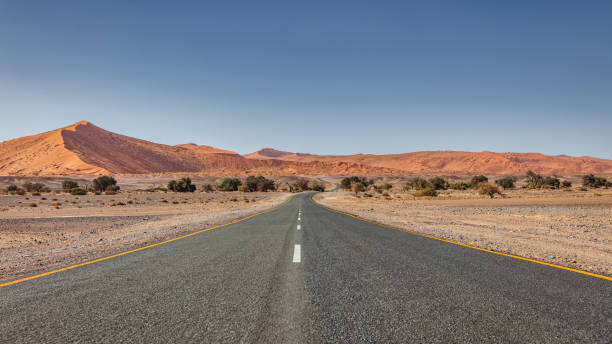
[(85, 149)]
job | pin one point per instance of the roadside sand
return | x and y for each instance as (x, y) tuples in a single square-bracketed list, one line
[(65, 229), (569, 229)]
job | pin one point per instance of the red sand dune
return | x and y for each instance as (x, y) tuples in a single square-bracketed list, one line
[(456, 163), (85, 149)]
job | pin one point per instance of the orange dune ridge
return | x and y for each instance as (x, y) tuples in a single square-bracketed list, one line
[(85, 149)]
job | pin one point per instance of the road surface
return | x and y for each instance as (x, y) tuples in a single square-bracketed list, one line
[(335, 279)]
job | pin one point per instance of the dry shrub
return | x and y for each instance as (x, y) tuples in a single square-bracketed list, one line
[(118, 203), (56, 204), (33, 205)]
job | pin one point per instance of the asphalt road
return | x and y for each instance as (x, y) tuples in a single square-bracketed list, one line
[(349, 282)]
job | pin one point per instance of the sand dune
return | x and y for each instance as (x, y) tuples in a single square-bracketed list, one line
[(85, 149), (453, 162)]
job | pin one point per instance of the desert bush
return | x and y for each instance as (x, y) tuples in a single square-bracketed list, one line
[(346, 182), (207, 188), (459, 186), (534, 180), (20, 192), (78, 191), (591, 181), (300, 185), (488, 189), (438, 183), (357, 187), (317, 187), (386, 186), (181, 185), (478, 179), (418, 183), (105, 183), (260, 183), (33, 205), (12, 188), (551, 182), (506, 182), (229, 184), (35, 187), (426, 192), (110, 192), (69, 185), (35, 193)]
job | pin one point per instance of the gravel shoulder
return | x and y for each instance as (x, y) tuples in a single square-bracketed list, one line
[(568, 229), (63, 229)]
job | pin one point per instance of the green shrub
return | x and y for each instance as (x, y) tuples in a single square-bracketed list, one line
[(181, 185), (478, 179), (591, 181), (506, 182), (69, 185), (35, 187), (317, 187), (534, 180), (105, 183), (551, 182), (346, 182), (386, 186), (260, 183), (418, 183), (459, 186), (300, 185), (229, 184), (12, 188), (488, 189), (438, 183), (566, 184), (78, 191), (426, 192)]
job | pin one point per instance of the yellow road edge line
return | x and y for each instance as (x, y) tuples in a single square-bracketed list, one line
[(142, 248), (460, 244)]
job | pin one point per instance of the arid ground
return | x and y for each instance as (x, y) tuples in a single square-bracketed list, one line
[(569, 228), (63, 229)]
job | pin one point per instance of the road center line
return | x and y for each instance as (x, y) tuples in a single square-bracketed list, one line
[(299, 227), (297, 255)]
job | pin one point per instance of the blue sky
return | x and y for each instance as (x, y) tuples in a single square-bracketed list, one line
[(325, 77)]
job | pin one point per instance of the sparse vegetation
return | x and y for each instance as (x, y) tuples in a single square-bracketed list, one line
[(534, 180), (314, 186), (78, 191), (300, 185), (438, 183), (229, 184), (459, 186), (551, 183), (566, 184), (105, 183), (489, 189), (357, 187), (476, 180), (426, 193), (181, 185), (35, 187), (506, 182), (418, 183), (260, 183), (345, 183), (69, 185), (591, 181)]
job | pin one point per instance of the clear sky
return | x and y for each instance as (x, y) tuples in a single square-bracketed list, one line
[(326, 77)]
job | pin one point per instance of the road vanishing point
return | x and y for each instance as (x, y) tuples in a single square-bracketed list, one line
[(325, 278)]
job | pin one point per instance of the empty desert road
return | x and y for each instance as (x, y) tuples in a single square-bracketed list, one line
[(326, 277)]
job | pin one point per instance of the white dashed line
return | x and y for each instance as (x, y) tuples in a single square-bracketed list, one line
[(297, 255), (299, 227)]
